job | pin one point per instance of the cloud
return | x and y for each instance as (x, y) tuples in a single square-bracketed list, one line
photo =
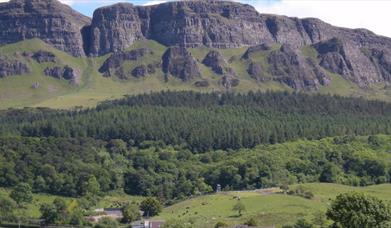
[(154, 2), (373, 15), (69, 2)]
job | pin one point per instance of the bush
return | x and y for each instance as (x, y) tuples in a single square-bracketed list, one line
[(251, 222), (221, 224), (107, 223), (302, 223), (301, 191), (347, 210), (151, 206)]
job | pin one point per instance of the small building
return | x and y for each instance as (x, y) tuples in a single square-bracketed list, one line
[(113, 213), (148, 224), (218, 188)]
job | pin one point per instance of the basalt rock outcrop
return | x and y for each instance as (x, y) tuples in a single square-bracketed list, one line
[(49, 20), (255, 49), (211, 23), (41, 56), (289, 67), (66, 72), (382, 61), (358, 55), (201, 84), (116, 60), (256, 72), (10, 67), (145, 70), (333, 57), (220, 66), (178, 62), (217, 63)]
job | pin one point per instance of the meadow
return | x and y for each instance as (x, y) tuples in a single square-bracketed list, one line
[(17, 91), (272, 208)]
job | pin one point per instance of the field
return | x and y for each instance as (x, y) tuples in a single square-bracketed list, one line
[(17, 91), (266, 208)]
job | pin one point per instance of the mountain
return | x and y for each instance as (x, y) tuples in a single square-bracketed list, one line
[(185, 45), (49, 20)]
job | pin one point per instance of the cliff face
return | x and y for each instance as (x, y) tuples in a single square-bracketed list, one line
[(49, 20), (189, 23), (357, 55), (9, 67), (213, 23)]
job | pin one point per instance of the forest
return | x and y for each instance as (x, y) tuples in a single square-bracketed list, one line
[(177, 144), (204, 122), (65, 166)]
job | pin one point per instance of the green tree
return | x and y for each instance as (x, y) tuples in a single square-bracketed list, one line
[(131, 213), (319, 219), (107, 223), (76, 218), (22, 194), (302, 223), (239, 207), (151, 206), (91, 186), (55, 213), (49, 213), (7, 207), (330, 173), (356, 210)]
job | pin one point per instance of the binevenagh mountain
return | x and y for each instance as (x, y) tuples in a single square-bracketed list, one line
[(51, 55)]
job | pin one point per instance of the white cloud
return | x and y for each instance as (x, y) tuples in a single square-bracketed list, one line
[(69, 2), (373, 15), (154, 2)]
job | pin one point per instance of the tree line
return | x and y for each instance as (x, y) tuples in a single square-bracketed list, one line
[(204, 122), (78, 167)]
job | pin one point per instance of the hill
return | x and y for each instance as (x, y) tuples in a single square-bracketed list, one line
[(35, 89), (126, 50), (266, 208)]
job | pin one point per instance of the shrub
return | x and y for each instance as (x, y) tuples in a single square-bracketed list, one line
[(251, 222), (221, 224)]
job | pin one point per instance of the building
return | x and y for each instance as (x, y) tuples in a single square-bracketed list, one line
[(113, 213), (148, 224)]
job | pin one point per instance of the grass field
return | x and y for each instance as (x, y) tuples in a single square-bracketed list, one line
[(17, 91), (111, 200), (267, 209), (274, 209)]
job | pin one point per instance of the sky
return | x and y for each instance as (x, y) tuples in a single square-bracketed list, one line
[(370, 14)]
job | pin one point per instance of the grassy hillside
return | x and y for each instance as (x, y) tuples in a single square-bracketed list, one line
[(110, 200), (267, 209), (17, 91)]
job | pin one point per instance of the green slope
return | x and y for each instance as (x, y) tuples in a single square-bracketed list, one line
[(17, 91), (267, 209)]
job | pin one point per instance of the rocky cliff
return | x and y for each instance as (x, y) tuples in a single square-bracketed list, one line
[(55, 23), (358, 55), (9, 67)]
